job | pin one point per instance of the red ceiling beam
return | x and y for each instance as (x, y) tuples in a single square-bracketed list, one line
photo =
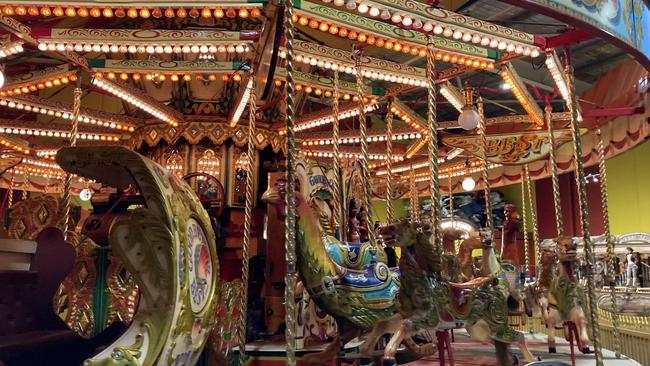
[(613, 112), (567, 38)]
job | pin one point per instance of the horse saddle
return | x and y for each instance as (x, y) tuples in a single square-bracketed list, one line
[(462, 293)]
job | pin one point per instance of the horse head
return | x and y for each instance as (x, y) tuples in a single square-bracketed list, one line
[(566, 249), (401, 234)]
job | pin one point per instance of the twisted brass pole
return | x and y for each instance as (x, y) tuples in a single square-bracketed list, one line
[(415, 201), (533, 214), (524, 216), (10, 192), (336, 161), (559, 221), (248, 211), (432, 132), (451, 199), (363, 131), (609, 241), (489, 223), (290, 278), (67, 183), (584, 218), (390, 211)]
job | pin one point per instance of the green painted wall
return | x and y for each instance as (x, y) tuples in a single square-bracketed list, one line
[(628, 180), (379, 209)]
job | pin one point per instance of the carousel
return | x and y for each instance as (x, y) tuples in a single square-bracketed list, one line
[(322, 182)]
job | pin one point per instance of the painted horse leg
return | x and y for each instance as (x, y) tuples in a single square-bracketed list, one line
[(327, 356), (550, 331), (395, 341), (419, 350), (582, 333), (525, 352), (384, 326)]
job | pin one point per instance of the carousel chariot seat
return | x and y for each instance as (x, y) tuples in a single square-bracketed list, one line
[(30, 331)]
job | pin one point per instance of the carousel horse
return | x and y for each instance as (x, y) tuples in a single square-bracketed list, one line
[(490, 266), (358, 297), (426, 303), (563, 299), (509, 249), (536, 293)]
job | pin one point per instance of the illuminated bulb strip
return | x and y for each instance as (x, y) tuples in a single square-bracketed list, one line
[(13, 146), (325, 154), (459, 173), (356, 140), (10, 49), (40, 172), (46, 153), (133, 48), (392, 44), (554, 67), (413, 149), (350, 111), (160, 77), (60, 112), (242, 103), (41, 163), (56, 133), (117, 10), (17, 89), (319, 61), (129, 97), (453, 95), (405, 18), (319, 90), (407, 115), (518, 89)]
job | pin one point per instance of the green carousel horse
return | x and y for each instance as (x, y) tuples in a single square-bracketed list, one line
[(427, 303), (359, 295)]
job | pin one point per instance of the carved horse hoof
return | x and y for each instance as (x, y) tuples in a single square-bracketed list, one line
[(515, 360), (552, 350), (586, 350), (388, 362)]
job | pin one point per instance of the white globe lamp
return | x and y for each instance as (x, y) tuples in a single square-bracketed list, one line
[(2, 78), (469, 118), (468, 184), (86, 194)]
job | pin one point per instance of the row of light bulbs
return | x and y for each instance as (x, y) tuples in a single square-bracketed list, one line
[(349, 113), (325, 154), (29, 107), (108, 12), (409, 21), (415, 148), (314, 60), (243, 103), (394, 45), (41, 163), (168, 76), (459, 172), (139, 48), (452, 95), (55, 133), (356, 140), (408, 119), (327, 92), (519, 93), (133, 100), (41, 172), (554, 66), (11, 145), (11, 49), (32, 87)]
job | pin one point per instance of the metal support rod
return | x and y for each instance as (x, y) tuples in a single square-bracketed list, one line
[(489, 222), (432, 132), (390, 212), (290, 278), (584, 217), (559, 221), (365, 156), (336, 163), (248, 219), (602, 169)]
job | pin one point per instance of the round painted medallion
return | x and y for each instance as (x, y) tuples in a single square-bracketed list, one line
[(200, 266)]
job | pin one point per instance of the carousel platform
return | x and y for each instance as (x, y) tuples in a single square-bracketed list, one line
[(467, 352)]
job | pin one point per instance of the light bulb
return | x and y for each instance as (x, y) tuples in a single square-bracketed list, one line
[(385, 14), (469, 118), (351, 4), (468, 184), (363, 8), (374, 12)]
